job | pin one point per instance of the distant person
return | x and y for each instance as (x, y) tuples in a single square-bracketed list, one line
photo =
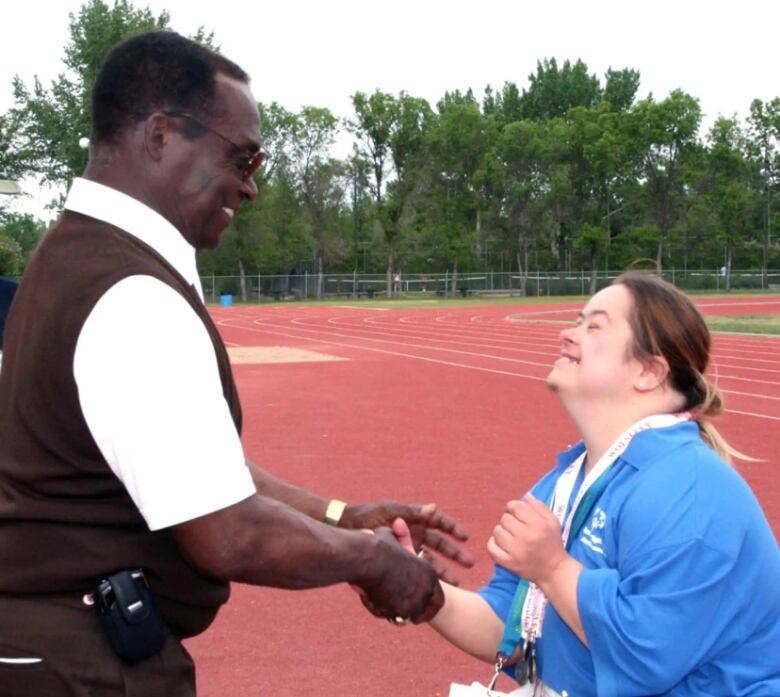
[(642, 563), (124, 485), (397, 283)]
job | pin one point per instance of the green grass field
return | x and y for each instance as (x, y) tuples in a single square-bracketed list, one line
[(750, 324)]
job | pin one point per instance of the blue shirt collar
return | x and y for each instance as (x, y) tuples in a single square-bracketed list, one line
[(645, 446)]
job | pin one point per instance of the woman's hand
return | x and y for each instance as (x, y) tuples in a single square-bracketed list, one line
[(527, 540)]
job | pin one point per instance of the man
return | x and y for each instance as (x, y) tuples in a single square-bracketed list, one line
[(120, 459)]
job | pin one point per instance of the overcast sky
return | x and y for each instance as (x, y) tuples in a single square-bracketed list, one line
[(308, 52)]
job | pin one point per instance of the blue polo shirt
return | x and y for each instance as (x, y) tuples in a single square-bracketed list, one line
[(680, 594)]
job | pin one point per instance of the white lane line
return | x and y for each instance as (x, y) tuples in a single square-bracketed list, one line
[(263, 330), (355, 307), (739, 304), (750, 394), (750, 413), (422, 335), (385, 351), (717, 378), (746, 358), (325, 331), (716, 365)]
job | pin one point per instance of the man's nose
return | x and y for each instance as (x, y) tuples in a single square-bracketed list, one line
[(249, 188)]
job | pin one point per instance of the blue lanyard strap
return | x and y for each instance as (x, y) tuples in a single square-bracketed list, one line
[(513, 628)]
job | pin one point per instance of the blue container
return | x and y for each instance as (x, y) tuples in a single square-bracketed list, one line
[(226, 300)]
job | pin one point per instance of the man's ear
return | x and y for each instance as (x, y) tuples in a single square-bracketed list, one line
[(654, 373), (157, 134)]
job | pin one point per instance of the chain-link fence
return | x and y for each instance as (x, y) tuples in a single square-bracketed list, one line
[(262, 287)]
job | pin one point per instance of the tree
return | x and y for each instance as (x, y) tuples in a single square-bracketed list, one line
[(316, 176), (620, 88), (457, 147), (764, 132), (11, 258), (727, 188), (375, 118), (25, 230), (553, 90), (669, 131), (50, 122)]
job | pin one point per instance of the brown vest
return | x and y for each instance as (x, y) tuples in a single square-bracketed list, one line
[(66, 520)]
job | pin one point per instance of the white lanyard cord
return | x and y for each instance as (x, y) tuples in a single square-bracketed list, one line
[(535, 602)]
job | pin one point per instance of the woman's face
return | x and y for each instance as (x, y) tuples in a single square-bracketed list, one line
[(596, 362)]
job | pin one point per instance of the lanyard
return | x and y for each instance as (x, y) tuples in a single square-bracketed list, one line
[(526, 614)]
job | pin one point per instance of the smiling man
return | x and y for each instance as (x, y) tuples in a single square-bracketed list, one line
[(126, 502)]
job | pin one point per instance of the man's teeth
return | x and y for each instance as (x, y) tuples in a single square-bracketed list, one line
[(229, 212)]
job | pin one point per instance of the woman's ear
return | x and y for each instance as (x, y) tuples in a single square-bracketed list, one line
[(654, 373)]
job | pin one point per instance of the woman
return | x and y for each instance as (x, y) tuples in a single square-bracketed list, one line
[(666, 579)]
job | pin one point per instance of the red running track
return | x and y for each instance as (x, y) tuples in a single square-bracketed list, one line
[(431, 405)]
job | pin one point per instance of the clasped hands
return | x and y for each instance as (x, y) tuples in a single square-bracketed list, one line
[(408, 587), (526, 541)]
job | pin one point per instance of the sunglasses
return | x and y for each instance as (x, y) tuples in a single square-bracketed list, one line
[(254, 158)]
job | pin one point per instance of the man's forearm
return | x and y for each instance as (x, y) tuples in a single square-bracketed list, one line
[(264, 542), (296, 497)]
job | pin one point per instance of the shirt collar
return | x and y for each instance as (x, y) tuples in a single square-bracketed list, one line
[(645, 446), (129, 214)]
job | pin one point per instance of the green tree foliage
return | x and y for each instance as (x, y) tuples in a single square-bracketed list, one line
[(50, 121), (19, 235), (553, 90), (569, 172)]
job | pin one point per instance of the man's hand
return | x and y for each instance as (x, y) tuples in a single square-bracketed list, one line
[(407, 587), (428, 526), (527, 540)]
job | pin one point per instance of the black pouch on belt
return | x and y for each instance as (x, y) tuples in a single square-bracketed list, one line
[(129, 614)]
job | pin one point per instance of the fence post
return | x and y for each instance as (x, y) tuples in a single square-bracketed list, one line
[(306, 285)]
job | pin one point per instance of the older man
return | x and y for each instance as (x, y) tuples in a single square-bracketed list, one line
[(121, 469)]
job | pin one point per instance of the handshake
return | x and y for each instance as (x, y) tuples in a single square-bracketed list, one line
[(404, 583)]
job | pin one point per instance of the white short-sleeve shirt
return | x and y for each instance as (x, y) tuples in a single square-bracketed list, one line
[(148, 380)]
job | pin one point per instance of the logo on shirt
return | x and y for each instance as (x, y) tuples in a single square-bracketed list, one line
[(599, 520), (591, 535)]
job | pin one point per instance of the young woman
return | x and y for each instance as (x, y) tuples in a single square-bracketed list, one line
[(641, 564)]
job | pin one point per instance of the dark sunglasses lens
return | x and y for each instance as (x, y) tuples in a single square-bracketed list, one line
[(254, 164)]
